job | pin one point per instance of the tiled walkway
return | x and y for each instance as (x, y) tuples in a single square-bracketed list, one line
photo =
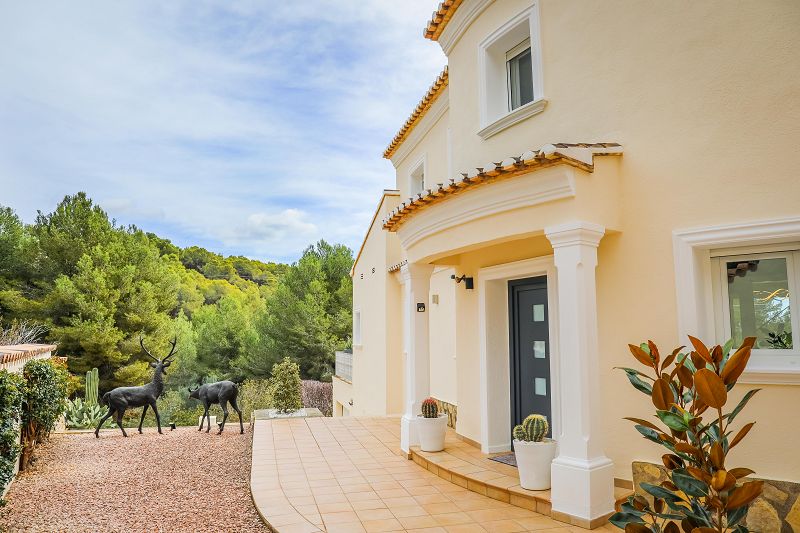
[(347, 475)]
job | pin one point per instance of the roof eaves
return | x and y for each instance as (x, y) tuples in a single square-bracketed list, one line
[(422, 107), (580, 155), (386, 193), (440, 18)]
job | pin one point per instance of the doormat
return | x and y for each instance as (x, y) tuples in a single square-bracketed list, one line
[(506, 459)]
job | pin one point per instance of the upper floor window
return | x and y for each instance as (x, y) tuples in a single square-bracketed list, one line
[(756, 296), (520, 75), (416, 179), (510, 73)]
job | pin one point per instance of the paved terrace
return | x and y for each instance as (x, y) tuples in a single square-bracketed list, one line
[(348, 475)]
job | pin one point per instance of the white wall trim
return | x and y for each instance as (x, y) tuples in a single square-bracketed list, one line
[(490, 84), (513, 117), (463, 19), (546, 185), (495, 395), (422, 128), (421, 161), (693, 283)]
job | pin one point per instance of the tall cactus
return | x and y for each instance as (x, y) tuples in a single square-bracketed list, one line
[(429, 408), (533, 429), (91, 389)]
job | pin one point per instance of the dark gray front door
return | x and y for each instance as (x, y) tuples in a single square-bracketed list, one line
[(530, 349)]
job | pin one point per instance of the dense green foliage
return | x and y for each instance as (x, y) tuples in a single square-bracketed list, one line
[(43, 402), (11, 390), (254, 394), (96, 286), (285, 386)]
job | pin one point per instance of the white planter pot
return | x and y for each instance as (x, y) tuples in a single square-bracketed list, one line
[(533, 463), (205, 422), (431, 433)]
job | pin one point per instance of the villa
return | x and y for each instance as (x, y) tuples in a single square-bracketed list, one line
[(581, 176)]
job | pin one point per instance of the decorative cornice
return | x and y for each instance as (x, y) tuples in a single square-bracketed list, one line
[(580, 155), (422, 107), (440, 18)]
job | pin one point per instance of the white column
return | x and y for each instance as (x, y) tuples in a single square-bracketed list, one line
[(416, 280), (582, 476)]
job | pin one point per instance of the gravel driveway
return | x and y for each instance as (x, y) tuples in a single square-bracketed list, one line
[(180, 481)]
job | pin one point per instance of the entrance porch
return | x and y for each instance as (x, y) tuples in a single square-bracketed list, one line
[(534, 322), (348, 475)]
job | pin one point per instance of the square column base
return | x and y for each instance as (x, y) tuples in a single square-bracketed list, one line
[(582, 491), (408, 433)]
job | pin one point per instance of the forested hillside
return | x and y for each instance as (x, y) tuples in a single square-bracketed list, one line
[(97, 286)]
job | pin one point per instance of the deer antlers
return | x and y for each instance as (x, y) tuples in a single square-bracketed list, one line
[(172, 352)]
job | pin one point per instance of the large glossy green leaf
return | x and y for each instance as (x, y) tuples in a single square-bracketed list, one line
[(688, 484), (649, 434), (624, 518), (741, 404), (633, 377), (661, 492), (672, 420)]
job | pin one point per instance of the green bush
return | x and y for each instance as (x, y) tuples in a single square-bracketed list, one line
[(82, 415), (11, 390), (44, 400), (254, 394), (286, 386)]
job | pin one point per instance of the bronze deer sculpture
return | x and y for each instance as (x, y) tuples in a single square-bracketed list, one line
[(122, 398)]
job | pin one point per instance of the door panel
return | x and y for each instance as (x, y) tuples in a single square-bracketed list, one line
[(529, 349)]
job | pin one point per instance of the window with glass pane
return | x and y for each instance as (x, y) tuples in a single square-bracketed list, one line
[(759, 302), (520, 76)]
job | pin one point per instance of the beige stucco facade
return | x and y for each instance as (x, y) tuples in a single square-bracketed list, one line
[(704, 99)]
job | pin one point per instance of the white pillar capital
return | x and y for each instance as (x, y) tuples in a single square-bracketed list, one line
[(575, 233), (582, 476), (416, 279)]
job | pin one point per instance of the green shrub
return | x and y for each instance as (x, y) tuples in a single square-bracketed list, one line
[(254, 394), (11, 390), (44, 400), (285, 385), (82, 415)]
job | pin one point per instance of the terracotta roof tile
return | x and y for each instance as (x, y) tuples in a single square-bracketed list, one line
[(580, 155), (440, 18), (422, 107), (17, 352)]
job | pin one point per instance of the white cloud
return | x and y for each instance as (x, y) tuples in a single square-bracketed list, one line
[(248, 127)]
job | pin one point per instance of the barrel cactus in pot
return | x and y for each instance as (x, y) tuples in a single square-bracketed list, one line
[(431, 427), (534, 452)]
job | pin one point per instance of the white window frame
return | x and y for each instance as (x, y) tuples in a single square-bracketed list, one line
[(510, 56), (694, 284), (357, 334), (722, 322), (420, 166), (493, 88)]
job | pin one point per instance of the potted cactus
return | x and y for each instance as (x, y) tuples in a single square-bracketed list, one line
[(534, 453), (431, 427)]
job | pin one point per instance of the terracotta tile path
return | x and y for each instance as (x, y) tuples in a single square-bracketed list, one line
[(347, 475)]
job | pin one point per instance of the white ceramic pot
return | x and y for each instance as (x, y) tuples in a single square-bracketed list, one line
[(205, 422), (431, 433), (533, 463)]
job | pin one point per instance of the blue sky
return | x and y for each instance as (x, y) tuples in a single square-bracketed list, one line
[(251, 128)]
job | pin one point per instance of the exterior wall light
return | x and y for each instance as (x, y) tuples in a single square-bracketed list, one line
[(468, 281)]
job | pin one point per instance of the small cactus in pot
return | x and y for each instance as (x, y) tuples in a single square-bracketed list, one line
[(429, 408), (534, 453), (431, 427), (533, 429)]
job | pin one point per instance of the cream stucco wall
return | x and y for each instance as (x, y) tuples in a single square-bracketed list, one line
[(705, 99), (377, 359)]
